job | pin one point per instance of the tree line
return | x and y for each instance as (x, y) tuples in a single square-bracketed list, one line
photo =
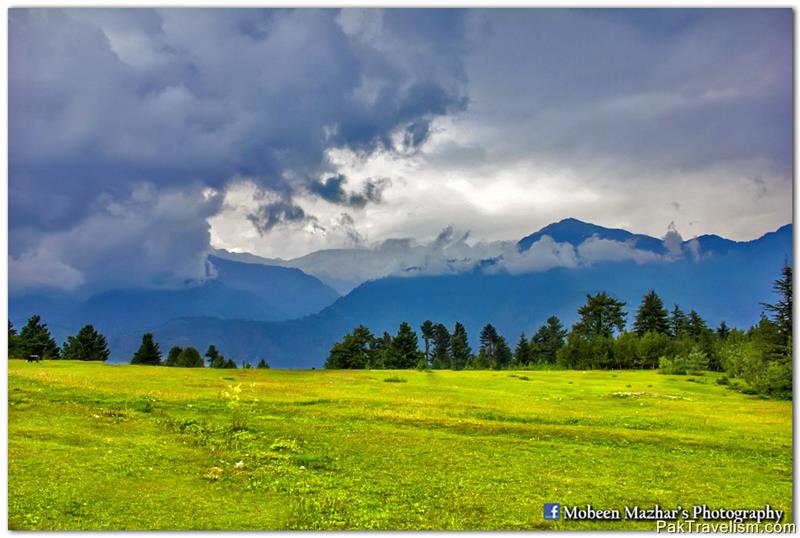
[(675, 342), (89, 345)]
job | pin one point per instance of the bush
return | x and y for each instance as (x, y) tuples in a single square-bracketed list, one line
[(696, 362), (723, 380), (676, 366), (394, 379), (693, 363)]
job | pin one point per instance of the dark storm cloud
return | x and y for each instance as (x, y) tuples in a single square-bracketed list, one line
[(332, 190), (271, 214), (100, 99), (183, 101)]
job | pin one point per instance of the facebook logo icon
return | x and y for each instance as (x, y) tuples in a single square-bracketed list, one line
[(552, 511)]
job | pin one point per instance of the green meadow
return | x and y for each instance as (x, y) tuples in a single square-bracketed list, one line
[(94, 446)]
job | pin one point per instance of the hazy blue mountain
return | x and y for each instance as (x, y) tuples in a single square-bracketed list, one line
[(236, 290), (286, 291), (721, 286)]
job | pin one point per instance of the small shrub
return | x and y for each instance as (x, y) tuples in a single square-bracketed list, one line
[(723, 380), (316, 463), (394, 379), (285, 445)]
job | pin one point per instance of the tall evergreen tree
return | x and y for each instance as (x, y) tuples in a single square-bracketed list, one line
[(172, 357), (678, 322), (782, 310), (489, 341), (215, 359), (502, 354), (149, 351), (14, 343), (723, 331), (696, 326), (379, 352), (35, 339), (441, 347), (460, 352), (548, 340), (262, 364), (600, 316), (404, 353), (190, 358), (652, 316), (428, 332), (353, 351), (522, 353), (87, 345)]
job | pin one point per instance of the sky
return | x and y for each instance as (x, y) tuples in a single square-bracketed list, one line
[(140, 138)]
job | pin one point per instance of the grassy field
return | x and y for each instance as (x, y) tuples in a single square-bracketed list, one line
[(95, 446)]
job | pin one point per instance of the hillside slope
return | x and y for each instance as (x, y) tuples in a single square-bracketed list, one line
[(725, 287)]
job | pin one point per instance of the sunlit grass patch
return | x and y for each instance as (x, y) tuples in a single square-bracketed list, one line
[(345, 450)]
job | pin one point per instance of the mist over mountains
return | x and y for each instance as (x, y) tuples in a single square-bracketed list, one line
[(289, 311)]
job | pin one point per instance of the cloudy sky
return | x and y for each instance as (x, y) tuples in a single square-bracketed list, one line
[(137, 138)]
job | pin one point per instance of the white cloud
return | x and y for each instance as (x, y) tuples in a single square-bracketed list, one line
[(596, 249), (151, 237)]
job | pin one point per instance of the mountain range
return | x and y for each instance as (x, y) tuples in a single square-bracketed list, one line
[(289, 311)]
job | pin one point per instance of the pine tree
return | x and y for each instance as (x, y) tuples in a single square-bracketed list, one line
[(262, 364), (548, 340), (35, 339), (149, 352), (522, 352), (502, 354), (600, 316), (428, 333), (677, 323), (190, 358), (652, 316), (14, 343), (353, 351), (441, 347), (87, 345), (172, 357), (380, 351), (782, 310), (723, 331), (404, 352), (460, 352), (696, 326), (215, 360), (489, 342)]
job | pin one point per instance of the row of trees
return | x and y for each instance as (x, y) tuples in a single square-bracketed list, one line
[(674, 341), (89, 345), (597, 340), (34, 339), (149, 353)]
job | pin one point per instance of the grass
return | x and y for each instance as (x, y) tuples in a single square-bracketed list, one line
[(95, 446)]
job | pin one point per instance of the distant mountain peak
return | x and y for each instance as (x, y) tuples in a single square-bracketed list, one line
[(574, 231)]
